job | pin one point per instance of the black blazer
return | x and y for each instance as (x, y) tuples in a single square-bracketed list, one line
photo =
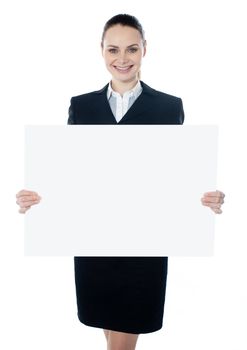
[(151, 107)]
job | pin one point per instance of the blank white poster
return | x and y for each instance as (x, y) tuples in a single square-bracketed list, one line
[(120, 190)]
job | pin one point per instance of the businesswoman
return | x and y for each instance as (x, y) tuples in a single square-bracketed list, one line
[(123, 295)]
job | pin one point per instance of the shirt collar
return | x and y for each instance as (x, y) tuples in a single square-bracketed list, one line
[(135, 90)]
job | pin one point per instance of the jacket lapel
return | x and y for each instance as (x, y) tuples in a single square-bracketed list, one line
[(140, 106), (103, 109)]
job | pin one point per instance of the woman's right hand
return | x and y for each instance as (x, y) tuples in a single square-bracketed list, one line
[(25, 199)]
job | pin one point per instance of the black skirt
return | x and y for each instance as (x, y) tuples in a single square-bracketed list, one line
[(125, 294)]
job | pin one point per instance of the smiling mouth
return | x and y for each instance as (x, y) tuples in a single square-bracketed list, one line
[(123, 69)]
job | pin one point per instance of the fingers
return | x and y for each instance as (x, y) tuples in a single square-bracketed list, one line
[(27, 202), (215, 207), (25, 199), (211, 204), (214, 196), (23, 210), (217, 210), (214, 200), (26, 193)]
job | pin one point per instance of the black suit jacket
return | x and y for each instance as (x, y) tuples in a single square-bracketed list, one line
[(151, 107)]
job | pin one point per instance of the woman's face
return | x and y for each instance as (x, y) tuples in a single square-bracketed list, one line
[(123, 49)]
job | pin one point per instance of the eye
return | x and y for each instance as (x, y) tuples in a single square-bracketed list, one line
[(132, 49), (112, 51)]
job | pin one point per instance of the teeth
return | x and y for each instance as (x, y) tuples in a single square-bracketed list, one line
[(123, 68)]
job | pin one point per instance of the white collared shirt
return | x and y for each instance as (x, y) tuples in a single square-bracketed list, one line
[(120, 105)]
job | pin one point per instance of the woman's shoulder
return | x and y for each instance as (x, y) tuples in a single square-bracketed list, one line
[(159, 94), (90, 95)]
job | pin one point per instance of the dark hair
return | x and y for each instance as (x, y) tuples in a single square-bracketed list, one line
[(124, 20)]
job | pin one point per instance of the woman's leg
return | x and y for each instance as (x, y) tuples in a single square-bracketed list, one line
[(121, 341)]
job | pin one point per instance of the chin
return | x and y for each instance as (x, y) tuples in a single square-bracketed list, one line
[(126, 78)]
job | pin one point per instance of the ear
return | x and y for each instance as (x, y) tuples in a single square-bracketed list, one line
[(144, 48), (101, 47)]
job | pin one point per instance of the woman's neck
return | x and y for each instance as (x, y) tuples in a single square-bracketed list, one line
[(122, 87)]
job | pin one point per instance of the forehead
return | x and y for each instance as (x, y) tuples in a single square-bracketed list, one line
[(120, 35)]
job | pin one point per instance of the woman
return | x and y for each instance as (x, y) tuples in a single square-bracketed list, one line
[(123, 295)]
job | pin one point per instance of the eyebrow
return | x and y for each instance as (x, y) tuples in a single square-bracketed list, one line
[(118, 46)]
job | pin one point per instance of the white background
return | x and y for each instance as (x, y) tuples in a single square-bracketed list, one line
[(196, 50)]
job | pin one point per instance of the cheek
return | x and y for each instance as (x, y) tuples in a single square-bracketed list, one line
[(138, 57), (137, 60), (108, 59)]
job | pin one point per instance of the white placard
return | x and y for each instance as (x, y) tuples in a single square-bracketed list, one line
[(120, 190)]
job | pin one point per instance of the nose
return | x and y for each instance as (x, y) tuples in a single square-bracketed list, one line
[(123, 57)]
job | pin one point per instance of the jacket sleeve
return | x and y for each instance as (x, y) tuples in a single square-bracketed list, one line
[(181, 113), (71, 119)]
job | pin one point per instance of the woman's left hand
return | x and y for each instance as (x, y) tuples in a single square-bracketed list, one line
[(214, 200)]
